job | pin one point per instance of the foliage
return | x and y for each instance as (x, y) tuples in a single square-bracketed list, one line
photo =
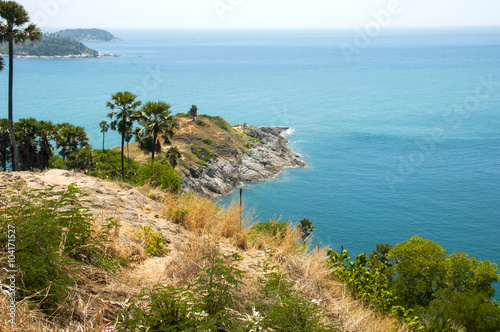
[(172, 156), (15, 29), (435, 284), (193, 112), (123, 106), (213, 303), (200, 122), (86, 34), (154, 243), (158, 125), (306, 228), (159, 175), (36, 141), (367, 282), (207, 141), (202, 153), (52, 45), (273, 228), (83, 160), (108, 165), (70, 139), (104, 129), (286, 309), (417, 278), (57, 162), (53, 233)]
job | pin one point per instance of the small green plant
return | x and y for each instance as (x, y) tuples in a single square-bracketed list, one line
[(207, 141), (154, 243), (272, 227), (201, 123)]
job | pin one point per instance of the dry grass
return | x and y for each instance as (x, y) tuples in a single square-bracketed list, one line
[(205, 218)]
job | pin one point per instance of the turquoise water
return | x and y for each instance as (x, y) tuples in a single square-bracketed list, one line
[(403, 139)]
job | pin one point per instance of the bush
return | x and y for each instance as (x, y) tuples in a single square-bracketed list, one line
[(207, 141), (83, 160), (109, 165), (159, 175), (53, 233), (58, 162), (272, 228), (154, 243)]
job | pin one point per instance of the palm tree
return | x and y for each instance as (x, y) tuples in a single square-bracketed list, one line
[(1, 63), (70, 139), (104, 129), (5, 144), (47, 132), (14, 18), (123, 106), (158, 123)]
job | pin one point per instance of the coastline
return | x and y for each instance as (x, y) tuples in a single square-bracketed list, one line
[(71, 56), (264, 160)]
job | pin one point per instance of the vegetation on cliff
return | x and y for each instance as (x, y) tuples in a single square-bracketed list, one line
[(51, 45), (87, 35)]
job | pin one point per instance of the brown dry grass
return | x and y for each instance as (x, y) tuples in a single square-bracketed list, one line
[(205, 218)]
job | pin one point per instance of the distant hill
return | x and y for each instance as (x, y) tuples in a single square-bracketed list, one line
[(87, 35), (51, 46)]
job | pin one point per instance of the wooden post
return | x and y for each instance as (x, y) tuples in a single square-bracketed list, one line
[(241, 203)]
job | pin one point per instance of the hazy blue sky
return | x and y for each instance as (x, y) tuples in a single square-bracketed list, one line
[(260, 13)]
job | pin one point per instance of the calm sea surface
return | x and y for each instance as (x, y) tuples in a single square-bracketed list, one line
[(401, 138)]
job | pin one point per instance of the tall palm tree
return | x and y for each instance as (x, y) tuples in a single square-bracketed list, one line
[(15, 28), (123, 107), (104, 129), (158, 124)]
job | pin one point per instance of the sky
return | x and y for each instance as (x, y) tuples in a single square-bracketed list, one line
[(260, 14)]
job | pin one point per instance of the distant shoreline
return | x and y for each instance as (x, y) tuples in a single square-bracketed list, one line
[(71, 56)]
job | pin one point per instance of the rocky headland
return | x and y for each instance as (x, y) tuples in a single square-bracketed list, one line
[(266, 158)]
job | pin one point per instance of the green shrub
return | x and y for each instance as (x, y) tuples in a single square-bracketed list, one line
[(159, 175), (207, 141), (53, 234), (272, 228), (109, 165), (200, 122), (83, 160), (283, 307), (58, 162), (154, 243)]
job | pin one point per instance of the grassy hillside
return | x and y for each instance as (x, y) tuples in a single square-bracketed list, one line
[(196, 140), (192, 233)]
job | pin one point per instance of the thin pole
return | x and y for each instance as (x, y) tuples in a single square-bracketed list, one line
[(241, 202)]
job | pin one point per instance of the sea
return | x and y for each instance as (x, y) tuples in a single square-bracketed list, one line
[(401, 130)]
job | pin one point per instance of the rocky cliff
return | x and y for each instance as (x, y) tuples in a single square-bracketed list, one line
[(266, 158)]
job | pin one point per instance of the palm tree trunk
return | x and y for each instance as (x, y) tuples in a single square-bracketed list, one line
[(123, 145), (15, 161), (103, 142)]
